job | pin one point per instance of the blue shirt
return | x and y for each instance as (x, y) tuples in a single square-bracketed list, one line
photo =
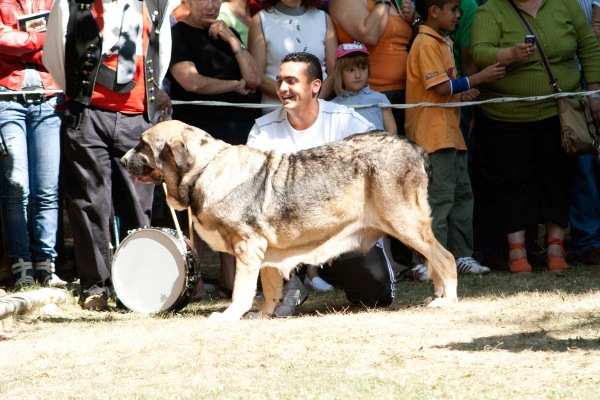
[(366, 96)]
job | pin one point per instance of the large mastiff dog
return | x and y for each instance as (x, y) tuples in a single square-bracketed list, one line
[(273, 211)]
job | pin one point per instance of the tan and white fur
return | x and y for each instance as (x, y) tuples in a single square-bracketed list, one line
[(274, 211)]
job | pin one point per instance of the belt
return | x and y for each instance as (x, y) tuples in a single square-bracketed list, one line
[(37, 95)]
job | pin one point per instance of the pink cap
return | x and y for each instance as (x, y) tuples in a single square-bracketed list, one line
[(346, 48)]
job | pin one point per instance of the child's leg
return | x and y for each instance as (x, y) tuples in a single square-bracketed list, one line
[(460, 219), (441, 192)]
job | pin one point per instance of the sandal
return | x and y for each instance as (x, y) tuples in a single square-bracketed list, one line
[(23, 273), (519, 265), (557, 264)]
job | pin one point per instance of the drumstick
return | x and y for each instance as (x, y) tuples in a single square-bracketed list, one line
[(177, 227), (191, 228)]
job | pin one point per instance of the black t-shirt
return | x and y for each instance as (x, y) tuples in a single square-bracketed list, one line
[(213, 59)]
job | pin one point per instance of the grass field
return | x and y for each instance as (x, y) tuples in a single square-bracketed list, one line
[(509, 337)]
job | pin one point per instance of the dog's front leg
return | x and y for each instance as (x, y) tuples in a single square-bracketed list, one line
[(248, 260)]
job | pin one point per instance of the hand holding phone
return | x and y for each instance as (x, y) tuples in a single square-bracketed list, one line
[(530, 39)]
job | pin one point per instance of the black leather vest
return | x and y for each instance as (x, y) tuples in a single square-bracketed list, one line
[(84, 60)]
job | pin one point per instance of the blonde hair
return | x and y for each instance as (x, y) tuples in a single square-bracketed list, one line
[(356, 59)]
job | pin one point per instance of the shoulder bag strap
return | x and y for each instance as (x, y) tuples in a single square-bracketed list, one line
[(551, 79)]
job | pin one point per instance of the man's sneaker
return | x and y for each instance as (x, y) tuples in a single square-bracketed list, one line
[(23, 273), (44, 274), (468, 266), (96, 302), (420, 273), (294, 294), (317, 284)]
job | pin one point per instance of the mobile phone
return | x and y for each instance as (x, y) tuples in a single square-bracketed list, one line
[(530, 39)]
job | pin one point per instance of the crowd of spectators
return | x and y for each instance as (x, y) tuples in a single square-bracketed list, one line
[(499, 170)]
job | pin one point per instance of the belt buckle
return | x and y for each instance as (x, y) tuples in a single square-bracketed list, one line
[(35, 97)]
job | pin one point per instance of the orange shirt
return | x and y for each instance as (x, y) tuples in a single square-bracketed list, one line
[(388, 57), (431, 62)]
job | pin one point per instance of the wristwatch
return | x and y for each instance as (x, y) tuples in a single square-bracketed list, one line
[(238, 51)]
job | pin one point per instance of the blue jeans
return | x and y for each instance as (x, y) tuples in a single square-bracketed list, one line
[(30, 175), (585, 207)]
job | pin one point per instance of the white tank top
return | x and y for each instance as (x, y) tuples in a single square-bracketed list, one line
[(289, 30)]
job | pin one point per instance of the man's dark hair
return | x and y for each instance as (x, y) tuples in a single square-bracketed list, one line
[(422, 6), (313, 68)]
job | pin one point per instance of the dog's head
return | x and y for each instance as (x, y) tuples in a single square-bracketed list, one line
[(175, 152)]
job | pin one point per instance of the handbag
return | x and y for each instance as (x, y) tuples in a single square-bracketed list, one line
[(577, 129)]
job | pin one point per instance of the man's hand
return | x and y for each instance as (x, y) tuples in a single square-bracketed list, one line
[(163, 103), (242, 88)]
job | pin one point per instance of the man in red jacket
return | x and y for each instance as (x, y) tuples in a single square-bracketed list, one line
[(30, 125)]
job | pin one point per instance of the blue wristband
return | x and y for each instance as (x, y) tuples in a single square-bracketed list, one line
[(459, 85)]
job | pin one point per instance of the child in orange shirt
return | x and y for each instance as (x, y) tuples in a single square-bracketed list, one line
[(432, 77)]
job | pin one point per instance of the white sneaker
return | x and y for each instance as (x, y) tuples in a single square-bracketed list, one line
[(317, 284), (468, 266), (44, 272), (420, 273)]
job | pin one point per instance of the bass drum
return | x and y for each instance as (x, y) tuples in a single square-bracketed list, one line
[(154, 272)]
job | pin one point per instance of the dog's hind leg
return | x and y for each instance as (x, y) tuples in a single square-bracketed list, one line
[(272, 286), (410, 222), (439, 261), (249, 255)]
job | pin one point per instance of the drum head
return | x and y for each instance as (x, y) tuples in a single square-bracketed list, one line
[(149, 271)]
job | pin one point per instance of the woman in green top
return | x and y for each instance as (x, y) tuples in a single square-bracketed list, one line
[(523, 175)]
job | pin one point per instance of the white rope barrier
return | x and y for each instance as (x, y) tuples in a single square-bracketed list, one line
[(592, 93)]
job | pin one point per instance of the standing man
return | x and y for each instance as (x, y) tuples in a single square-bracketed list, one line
[(30, 124), (304, 122), (109, 58)]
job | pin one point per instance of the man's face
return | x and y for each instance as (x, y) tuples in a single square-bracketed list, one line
[(293, 86)]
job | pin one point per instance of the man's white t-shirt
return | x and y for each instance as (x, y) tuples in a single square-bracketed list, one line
[(335, 122)]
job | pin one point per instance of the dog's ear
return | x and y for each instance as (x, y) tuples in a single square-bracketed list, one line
[(180, 153)]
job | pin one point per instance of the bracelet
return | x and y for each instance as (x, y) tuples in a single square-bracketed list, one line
[(386, 2), (238, 51), (459, 85)]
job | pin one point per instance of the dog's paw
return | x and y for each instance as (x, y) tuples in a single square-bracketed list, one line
[(255, 315), (220, 317), (438, 302)]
